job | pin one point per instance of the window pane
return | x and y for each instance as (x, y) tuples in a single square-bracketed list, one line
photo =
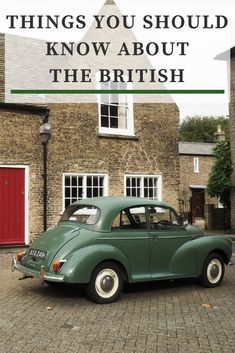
[(105, 98), (89, 192), (101, 192), (67, 192), (104, 121), (76, 213), (95, 181), (114, 99), (104, 110), (67, 181), (138, 218), (89, 181), (114, 123), (133, 182), (150, 193), (101, 181), (95, 192), (74, 181), (122, 114), (80, 179), (74, 192), (67, 202), (80, 195), (113, 111)]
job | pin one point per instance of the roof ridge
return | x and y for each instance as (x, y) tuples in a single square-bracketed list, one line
[(109, 2)]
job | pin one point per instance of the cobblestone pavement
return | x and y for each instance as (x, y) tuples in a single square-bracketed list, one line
[(159, 317)]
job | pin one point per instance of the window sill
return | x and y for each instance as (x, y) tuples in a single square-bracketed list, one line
[(114, 136)]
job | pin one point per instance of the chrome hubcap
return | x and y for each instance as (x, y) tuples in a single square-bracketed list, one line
[(214, 271), (107, 283)]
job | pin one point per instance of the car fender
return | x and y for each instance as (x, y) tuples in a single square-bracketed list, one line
[(207, 245), (81, 263), (199, 249), (184, 260)]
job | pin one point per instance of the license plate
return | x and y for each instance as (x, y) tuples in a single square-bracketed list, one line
[(37, 253)]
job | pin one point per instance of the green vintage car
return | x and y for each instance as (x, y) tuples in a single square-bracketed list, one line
[(104, 242)]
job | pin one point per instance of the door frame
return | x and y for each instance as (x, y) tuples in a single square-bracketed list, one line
[(26, 196), (196, 187)]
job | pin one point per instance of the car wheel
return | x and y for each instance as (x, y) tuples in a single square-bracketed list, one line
[(213, 271), (106, 283)]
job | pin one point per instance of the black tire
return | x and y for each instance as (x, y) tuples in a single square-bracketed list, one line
[(213, 271), (106, 283)]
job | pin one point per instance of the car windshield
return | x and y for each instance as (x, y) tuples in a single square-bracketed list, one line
[(81, 214)]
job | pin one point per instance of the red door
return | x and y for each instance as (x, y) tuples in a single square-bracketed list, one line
[(12, 206)]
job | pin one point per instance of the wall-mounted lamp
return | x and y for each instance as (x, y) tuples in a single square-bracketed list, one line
[(45, 132)]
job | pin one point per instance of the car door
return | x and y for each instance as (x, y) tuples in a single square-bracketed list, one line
[(130, 234), (172, 253)]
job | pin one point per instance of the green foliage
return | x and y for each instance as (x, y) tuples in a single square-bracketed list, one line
[(219, 183), (201, 129)]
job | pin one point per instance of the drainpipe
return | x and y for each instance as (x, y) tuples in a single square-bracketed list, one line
[(45, 132)]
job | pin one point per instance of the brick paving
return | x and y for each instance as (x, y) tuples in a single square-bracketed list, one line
[(164, 317)]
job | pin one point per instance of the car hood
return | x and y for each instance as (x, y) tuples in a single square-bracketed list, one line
[(194, 231)]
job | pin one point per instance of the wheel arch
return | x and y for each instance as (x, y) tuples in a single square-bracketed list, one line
[(119, 264), (83, 262), (221, 253)]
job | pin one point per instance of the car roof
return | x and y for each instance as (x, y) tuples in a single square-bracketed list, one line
[(110, 206)]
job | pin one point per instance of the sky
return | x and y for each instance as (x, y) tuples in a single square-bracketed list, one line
[(204, 44)]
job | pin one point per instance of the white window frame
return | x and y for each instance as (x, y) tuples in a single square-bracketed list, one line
[(196, 165), (26, 197), (84, 185), (129, 131), (142, 176)]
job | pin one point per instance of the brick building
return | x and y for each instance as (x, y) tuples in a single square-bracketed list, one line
[(91, 152), (196, 160)]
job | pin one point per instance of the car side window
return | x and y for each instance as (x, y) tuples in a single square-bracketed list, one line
[(131, 218), (162, 218)]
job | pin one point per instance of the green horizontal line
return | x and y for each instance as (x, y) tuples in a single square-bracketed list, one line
[(114, 91)]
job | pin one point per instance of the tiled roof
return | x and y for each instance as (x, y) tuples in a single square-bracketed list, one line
[(196, 148)]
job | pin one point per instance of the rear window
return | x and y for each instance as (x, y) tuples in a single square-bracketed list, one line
[(81, 214)]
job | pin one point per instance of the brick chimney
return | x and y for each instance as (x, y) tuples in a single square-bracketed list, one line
[(219, 135)]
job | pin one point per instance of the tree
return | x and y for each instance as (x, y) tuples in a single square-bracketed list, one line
[(219, 184), (202, 128)]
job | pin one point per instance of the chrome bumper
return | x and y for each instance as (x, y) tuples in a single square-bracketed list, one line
[(15, 266)]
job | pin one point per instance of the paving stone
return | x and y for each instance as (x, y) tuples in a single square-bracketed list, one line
[(150, 318)]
